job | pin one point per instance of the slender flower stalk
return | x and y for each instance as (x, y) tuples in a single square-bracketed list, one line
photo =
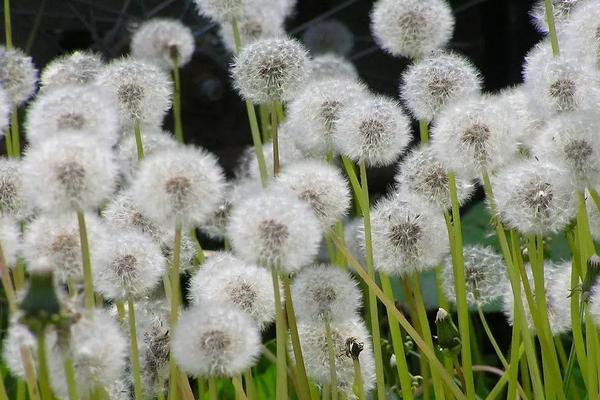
[(135, 356), (177, 98), (70, 376), (212, 389), (275, 136), (175, 304), (358, 383), (239, 389), (7, 283), (138, 141), (281, 391), (90, 302), (7, 25), (424, 131), (331, 358), (15, 133), (46, 392), (250, 385), (30, 375), (551, 27)]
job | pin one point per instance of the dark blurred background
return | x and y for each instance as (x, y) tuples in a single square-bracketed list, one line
[(494, 34)]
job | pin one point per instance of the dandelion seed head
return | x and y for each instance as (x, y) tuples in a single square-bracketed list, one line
[(289, 152), (143, 91), (12, 198), (229, 280), (89, 110), (184, 183), (557, 285), (485, 275), (580, 39), (412, 28), (77, 171), (5, 109), (373, 129), (437, 80), (479, 130), (79, 68), (163, 41), (325, 291), (313, 340), (254, 23), (215, 340), (220, 10), (10, 239), (121, 213), (18, 76), (421, 172), (270, 70), (54, 240), (562, 10), (329, 37), (535, 197), (275, 230), (326, 66), (98, 349), (216, 226), (135, 266), (313, 114), (408, 235), (17, 336), (320, 185)]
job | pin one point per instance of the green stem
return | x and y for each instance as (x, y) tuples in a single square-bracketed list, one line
[(551, 27), (491, 338), (424, 131), (297, 348), (236, 34), (281, 390), (21, 389), (7, 284), (250, 385), (177, 101), (331, 359), (397, 343), (3, 395), (239, 389), (7, 25), (260, 157), (30, 376), (516, 350), (175, 304), (275, 140), (138, 141), (90, 302), (390, 305), (16, 135), (460, 287), (212, 389), (70, 376), (46, 392), (590, 328), (8, 142), (364, 192), (264, 123), (358, 382), (426, 332), (135, 356)]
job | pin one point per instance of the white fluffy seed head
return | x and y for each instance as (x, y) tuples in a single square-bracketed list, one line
[(572, 139), (5, 109), (330, 36), (77, 68), (561, 12), (143, 91), (412, 28), (213, 340), (183, 183), (319, 184), (485, 274), (270, 70), (408, 235), (134, 267), (289, 152), (314, 112), (232, 281), (12, 198), (557, 284), (164, 41), (580, 41), (54, 241), (313, 340), (535, 197), (275, 230), (325, 292), (121, 213), (422, 173), (437, 80), (473, 135), (254, 23), (154, 139), (71, 109), (77, 171), (559, 84), (18, 75), (215, 227), (98, 349), (220, 10), (10, 239), (327, 66), (17, 336), (373, 129)]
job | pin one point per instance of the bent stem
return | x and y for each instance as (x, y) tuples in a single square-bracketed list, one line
[(135, 356), (297, 348), (364, 195), (491, 338), (281, 390), (175, 304), (138, 141), (397, 344), (458, 265), (90, 301), (331, 359)]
